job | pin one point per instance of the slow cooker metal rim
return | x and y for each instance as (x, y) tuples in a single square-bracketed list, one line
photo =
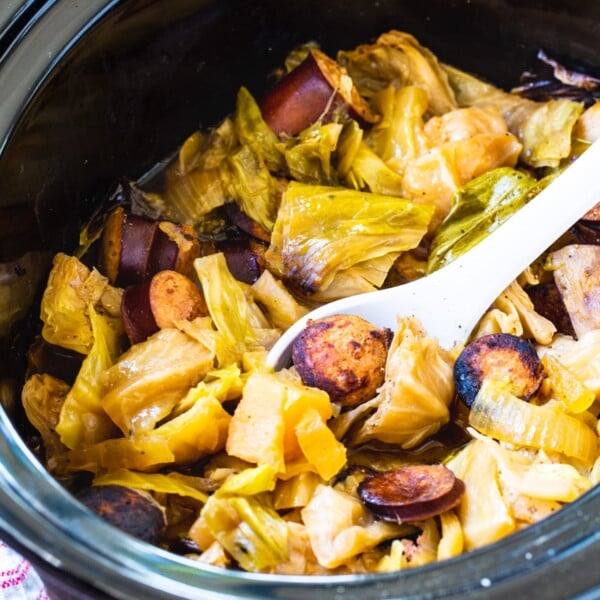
[(39, 43), (62, 531)]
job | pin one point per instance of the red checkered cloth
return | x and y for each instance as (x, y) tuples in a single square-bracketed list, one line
[(18, 580)]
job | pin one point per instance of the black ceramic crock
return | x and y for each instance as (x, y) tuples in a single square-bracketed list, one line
[(92, 90)]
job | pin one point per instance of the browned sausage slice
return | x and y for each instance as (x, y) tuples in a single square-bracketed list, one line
[(500, 356), (314, 89), (412, 493), (159, 303)]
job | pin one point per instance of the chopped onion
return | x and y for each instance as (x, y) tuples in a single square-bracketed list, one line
[(499, 414)]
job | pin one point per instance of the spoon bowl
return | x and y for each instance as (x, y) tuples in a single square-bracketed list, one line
[(450, 302)]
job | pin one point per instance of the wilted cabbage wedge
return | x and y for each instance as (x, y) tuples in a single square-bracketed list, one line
[(143, 386), (240, 517), (70, 290), (238, 319), (398, 58), (477, 209), (544, 128), (321, 230), (414, 401)]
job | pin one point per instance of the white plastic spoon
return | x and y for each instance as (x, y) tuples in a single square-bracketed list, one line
[(450, 302)]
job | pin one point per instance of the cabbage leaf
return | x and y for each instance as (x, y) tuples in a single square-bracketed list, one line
[(70, 290), (397, 58), (544, 128), (147, 381), (413, 403), (477, 209), (235, 315), (321, 230), (83, 421)]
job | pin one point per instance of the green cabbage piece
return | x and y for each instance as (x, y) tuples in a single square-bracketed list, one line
[(398, 58), (544, 128), (253, 131), (83, 421), (308, 159), (321, 230), (478, 208), (252, 186), (369, 172)]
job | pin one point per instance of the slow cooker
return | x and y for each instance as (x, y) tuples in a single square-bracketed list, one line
[(94, 90)]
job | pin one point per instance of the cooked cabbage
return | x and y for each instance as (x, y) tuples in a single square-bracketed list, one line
[(321, 230), (544, 128), (241, 323), (339, 526), (43, 397), (70, 290), (414, 401), (477, 209), (398, 58), (497, 413), (144, 385), (513, 312), (83, 420), (484, 514), (240, 518)]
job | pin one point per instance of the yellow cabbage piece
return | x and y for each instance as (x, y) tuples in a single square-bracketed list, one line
[(567, 386), (239, 516), (340, 528), (452, 539), (145, 454), (397, 58), (43, 396), (83, 420), (251, 185), (252, 130), (433, 177), (70, 290), (321, 230), (414, 401), (199, 431), (513, 312), (279, 420), (544, 128), (527, 474), (484, 514), (308, 157), (170, 483), (283, 309), (587, 127), (235, 315), (366, 276), (296, 491), (580, 356), (144, 385), (399, 136), (369, 172)]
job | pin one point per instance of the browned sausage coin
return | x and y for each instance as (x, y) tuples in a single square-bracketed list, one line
[(411, 493)]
